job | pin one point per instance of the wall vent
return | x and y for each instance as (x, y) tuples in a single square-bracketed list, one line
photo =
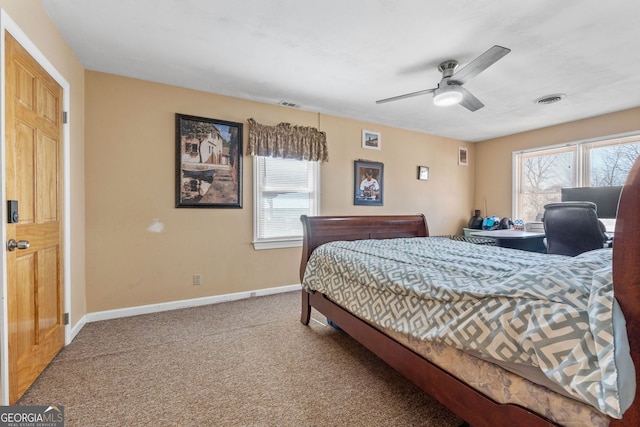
[(549, 99), (289, 104)]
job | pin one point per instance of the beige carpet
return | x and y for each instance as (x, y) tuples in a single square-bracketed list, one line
[(242, 363)]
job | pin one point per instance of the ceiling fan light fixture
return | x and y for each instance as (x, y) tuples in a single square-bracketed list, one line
[(447, 96), (450, 90)]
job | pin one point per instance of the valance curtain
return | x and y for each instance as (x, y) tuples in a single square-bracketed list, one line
[(287, 142)]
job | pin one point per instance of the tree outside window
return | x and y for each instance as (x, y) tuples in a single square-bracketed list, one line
[(610, 165)]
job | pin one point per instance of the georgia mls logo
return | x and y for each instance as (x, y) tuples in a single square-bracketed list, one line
[(57, 411), (31, 416)]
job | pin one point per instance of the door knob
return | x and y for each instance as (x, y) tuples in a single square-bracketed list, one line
[(12, 245)]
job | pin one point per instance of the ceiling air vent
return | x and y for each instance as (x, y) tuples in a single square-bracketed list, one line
[(289, 104), (549, 99)]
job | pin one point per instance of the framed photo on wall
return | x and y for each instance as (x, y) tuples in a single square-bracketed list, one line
[(208, 163), (368, 183), (423, 173), (463, 156), (371, 140)]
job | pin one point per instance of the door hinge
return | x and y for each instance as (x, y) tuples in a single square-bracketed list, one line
[(66, 318), (65, 117)]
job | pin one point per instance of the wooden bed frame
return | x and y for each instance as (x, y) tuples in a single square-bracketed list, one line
[(468, 403)]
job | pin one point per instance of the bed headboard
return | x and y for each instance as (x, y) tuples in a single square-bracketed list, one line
[(318, 230)]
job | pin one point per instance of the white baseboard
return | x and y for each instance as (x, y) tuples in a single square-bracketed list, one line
[(175, 305), (71, 332)]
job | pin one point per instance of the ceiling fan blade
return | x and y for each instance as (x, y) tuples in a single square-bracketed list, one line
[(479, 64), (469, 101), (406, 95)]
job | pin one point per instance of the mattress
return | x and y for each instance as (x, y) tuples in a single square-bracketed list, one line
[(547, 312)]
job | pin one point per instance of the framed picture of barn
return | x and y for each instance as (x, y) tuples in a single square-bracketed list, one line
[(208, 163)]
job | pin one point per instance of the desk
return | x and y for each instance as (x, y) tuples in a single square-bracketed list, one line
[(516, 239), (609, 224)]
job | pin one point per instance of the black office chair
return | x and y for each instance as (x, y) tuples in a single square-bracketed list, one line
[(572, 228)]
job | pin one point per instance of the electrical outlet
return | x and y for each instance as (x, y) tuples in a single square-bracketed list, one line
[(196, 279)]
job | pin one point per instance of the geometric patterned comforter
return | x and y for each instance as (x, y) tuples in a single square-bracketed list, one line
[(549, 311)]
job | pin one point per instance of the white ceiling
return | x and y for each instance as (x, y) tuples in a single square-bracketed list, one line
[(338, 56)]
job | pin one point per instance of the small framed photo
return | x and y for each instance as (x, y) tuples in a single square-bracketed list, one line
[(423, 173), (371, 140), (463, 156), (208, 163), (368, 183)]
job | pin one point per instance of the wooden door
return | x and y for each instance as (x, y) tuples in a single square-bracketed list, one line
[(35, 302)]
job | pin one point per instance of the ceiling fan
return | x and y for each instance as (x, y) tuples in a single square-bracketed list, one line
[(450, 91)]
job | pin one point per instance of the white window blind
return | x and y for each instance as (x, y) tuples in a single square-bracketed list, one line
[(284, 189)]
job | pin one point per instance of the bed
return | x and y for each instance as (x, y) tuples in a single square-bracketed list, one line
[(459, 380)]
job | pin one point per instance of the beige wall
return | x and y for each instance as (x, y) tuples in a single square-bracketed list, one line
[(130, 177), (35, 23), (130, 163), (494, 157)]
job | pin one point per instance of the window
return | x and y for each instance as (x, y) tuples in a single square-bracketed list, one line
[(284, 189), (541, 173), (609, 163), (541, 176)]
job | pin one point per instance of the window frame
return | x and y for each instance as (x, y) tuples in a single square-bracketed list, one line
[(284, 241), (581, 150)]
